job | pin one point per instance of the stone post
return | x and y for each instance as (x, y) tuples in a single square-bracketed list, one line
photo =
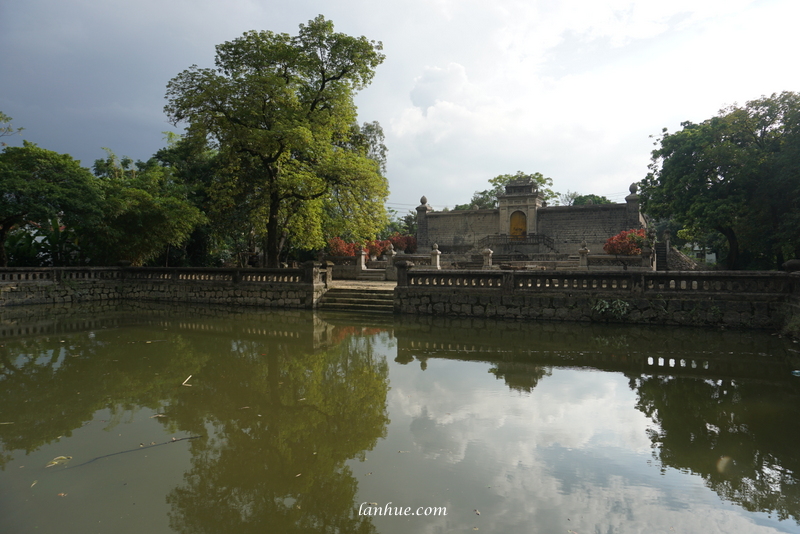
[(584, 252), (487, 258), (632, 215), (391, 270), (402, 272), (422, 223), (311, 272), (361, 260), (647, 259), (435, 257)]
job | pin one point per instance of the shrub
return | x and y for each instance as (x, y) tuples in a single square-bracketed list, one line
[(627, 242), (339, 247), (403, 243)]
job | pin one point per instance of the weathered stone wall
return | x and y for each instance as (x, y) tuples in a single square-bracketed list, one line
[(749, 300), (285, 288), (792, 311), (460, 231), (569, 225), (26, 286)]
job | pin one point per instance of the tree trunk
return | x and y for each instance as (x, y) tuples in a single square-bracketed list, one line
[(732, 261), (273, 235)]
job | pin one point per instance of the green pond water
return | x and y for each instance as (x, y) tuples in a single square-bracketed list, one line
[(134, 418)]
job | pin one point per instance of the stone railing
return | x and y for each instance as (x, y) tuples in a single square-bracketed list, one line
[(298, 288), (694, 298), (616, 281), (37, 274), (199, 274)]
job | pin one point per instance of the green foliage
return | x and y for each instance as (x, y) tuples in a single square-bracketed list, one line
[(616, 308), (293, 161), (582, 200), (573, 198), (144, 212), (39, 185), (405, 225), (738, 174), (6, 128), (487, 199)]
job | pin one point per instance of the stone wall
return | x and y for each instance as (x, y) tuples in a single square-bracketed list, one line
[(569, 225), (460, 231), (792, 324), (749, 300), (285, 288)]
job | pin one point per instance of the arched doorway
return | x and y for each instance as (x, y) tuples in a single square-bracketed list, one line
[(519, 225)]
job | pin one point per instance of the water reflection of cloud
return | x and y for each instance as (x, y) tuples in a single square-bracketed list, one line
[(572, 455)]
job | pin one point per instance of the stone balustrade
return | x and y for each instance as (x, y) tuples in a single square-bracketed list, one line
[(740, 299), (292, 288), (615, 281)]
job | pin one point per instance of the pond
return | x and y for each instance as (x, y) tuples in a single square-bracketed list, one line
[(146, 418)]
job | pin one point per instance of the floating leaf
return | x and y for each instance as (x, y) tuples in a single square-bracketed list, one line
[(58, 460)]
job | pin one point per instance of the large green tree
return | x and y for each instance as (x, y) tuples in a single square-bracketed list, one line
[(738, 174), (145, 211), (280, 110), (487, 199), (38, 185)]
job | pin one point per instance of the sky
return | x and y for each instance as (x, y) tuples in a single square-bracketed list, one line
[(470, 89)]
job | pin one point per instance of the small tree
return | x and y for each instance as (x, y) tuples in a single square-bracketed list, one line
[(626, 243)]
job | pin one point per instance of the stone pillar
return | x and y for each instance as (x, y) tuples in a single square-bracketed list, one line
[(435, 257), (632, 215), (361, 260), (422, 223), (487, 258), (311, 272), (584, 252), (402, 272), (391, 270), (647, 258)]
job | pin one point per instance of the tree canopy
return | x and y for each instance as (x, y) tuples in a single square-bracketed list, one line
[(144, 211), (487, 199), (280, 110), (737, 174), (39, 185)]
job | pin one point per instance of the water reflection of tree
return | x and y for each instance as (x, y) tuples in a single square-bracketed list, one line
[(740, 437), (520, 376), (51, 385), (283, 424)]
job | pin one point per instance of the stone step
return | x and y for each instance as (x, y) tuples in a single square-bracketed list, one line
[(362, 300), (372, 274)]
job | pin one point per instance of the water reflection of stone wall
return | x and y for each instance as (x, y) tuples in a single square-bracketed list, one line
[(249, 323), (627, 349)]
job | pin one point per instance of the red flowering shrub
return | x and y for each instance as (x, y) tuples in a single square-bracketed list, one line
[(377, 248), (403, 243), (627, 242), (339, 247)]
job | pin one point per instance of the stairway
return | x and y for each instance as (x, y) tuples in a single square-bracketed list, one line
[(661, 256), (372, 274), (358, 300)]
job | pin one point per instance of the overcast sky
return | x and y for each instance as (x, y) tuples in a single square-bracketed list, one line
[(470, 88)]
